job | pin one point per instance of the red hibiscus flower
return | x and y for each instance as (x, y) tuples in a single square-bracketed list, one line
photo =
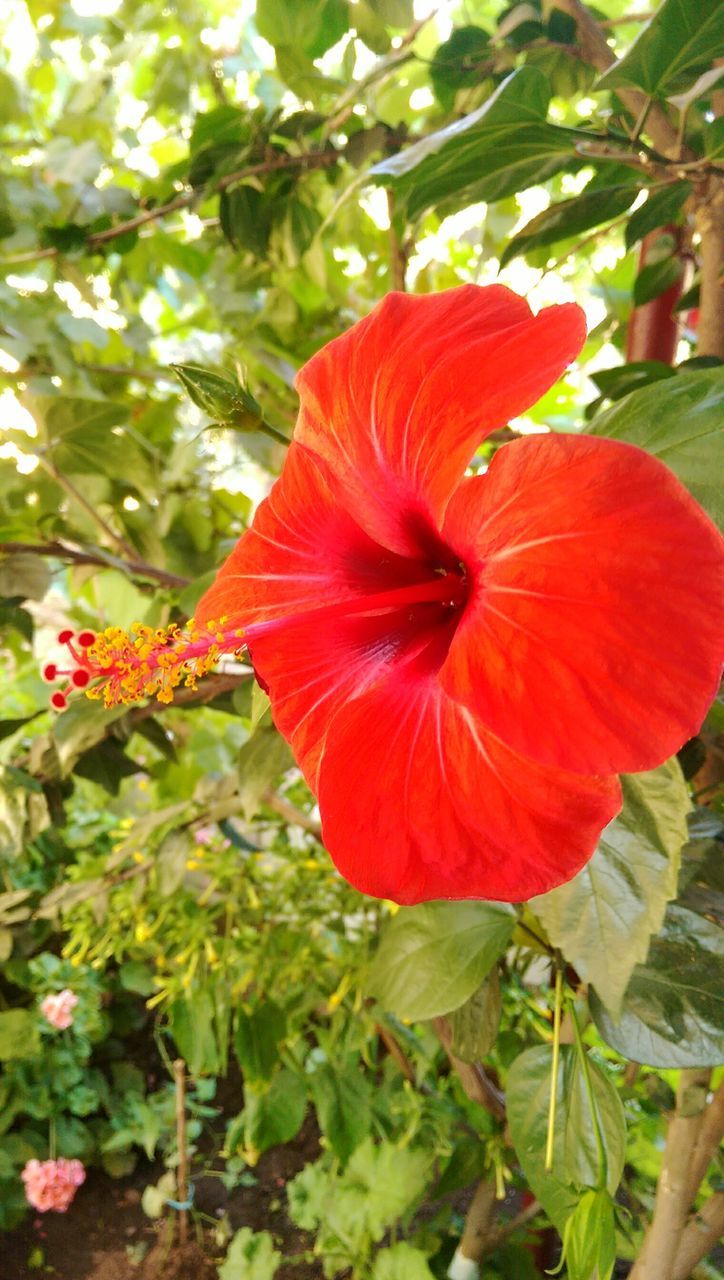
[(463, 664)]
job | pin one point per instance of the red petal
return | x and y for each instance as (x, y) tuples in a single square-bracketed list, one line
[(398, 404), (593, 637), (303, 550), (419, 802)]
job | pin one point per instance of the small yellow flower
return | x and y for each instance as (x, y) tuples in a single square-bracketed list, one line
[(191, 864), (137, 856)]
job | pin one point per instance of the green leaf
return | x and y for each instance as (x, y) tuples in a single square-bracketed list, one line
[(19, 1035), (575, 1157), (401, 1262), (341, 1097), (459, 63), (257, 1037), (671, 50), (23, 577), (622, 378), (603, 919), (191, 1020), (589, 1239), (276, 1115), (310, 25), (475, 1024), (245, 218), (655, 278), (678, 421), (673, 1010), (433, 957), (496, 151), (261, 760), (569, 218), (251, 1256), (661, 208), (394, 13)]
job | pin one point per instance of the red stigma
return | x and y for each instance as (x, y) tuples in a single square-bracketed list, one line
[(86, 639), (65, 635), (50, 672), (80, 678), (59, 701)]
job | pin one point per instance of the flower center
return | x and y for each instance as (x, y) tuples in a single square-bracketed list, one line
[(121, 667)]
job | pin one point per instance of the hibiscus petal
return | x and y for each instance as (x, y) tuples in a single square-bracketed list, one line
[(302, 550), (397, 405), (593, 636), (419, 801)]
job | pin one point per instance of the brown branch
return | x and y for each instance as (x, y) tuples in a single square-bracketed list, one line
[(476, 1232), (710, 225), (477, 1085), (597, 51), (310, 159), (664, 1233), (398, 251), (291, 814), (62, 551), (505, 1229), (700, 1236), (396, 1052)]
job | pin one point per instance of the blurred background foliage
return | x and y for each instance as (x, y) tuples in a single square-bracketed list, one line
[(193, 198)]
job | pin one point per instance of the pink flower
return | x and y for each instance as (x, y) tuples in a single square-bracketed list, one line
[(58, 1009), (52, 1184)]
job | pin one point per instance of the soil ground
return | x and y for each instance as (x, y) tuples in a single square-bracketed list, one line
[(107, 1236)]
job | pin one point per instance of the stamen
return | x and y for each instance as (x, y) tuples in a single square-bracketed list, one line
[(121, 667)]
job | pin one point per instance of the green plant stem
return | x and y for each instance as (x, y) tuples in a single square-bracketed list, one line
[(550, 1136), (52, 1138), (273, 433), (583, 1057)]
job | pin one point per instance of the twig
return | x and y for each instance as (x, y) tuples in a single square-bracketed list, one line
[(182, 1176), (501, 1233), (710, 225), (310, 159), (89, 509), (396, 1052), (75, 555), (398, 252)]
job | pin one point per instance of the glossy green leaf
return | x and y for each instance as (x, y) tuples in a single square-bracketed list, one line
[(433, 957), (671, 50), (24, 576), (662, 207), (575, 1158), (678, 421), (569, 218), (496, 151), (475, 1024), (673, 1011), (191, 1019), (603, 919), (341, 1096)]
